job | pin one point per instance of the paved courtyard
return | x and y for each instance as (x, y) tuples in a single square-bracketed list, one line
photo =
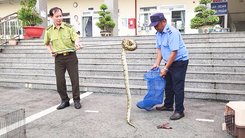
[(104, 116)]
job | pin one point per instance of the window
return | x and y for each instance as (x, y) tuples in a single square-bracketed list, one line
[(66, 18), (144, 18), (178, 20), (172, 7), (145, 9), (86, 13), (65, 14)]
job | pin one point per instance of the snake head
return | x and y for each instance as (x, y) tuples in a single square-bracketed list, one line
[(129, 44)]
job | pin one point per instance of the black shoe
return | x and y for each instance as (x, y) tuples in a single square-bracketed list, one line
[(63, 105), (177, 116), (163, 108), (77, 105)]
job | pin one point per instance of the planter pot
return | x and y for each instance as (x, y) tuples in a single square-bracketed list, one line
[(105, 33), (205, 29), (26, 36), (13, 42), (34, 31)]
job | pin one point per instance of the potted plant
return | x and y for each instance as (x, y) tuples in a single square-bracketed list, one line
[(29, 18), (25, 35), (105, 23), (12, 41), (204, 19)]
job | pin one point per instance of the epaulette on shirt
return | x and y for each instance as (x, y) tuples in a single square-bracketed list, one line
[(169, 31), (49, 27), (68, 25)]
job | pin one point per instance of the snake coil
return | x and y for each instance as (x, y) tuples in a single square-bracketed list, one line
[(129, 45)]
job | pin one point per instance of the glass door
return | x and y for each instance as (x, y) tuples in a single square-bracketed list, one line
[(178, 20), (87, 26)]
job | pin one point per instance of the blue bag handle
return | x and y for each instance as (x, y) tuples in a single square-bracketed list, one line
[(154, 69)]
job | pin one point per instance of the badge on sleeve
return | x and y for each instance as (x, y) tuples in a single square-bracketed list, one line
[(169, 31)]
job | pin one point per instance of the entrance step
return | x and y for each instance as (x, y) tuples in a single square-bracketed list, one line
[(216, 66)]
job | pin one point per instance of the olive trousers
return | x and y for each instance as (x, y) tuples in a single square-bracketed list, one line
[(67, 62)]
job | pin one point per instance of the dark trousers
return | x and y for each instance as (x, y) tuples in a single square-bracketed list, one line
[(69, 63), (175, 84)]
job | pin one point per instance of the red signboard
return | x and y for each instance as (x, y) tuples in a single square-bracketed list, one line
[(131, 23)]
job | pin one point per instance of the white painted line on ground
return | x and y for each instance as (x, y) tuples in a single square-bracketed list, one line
[(35, 116), (91, 111), (205, 120)]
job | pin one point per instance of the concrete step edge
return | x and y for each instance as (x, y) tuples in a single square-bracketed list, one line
[(120, 70), (200, 58), (215, 91), (188, 90), (113, 77), (136, 64), (45, 52)]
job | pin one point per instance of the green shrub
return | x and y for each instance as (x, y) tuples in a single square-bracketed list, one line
[(105, 23), (28, 15), (204, 15), (200, 8)]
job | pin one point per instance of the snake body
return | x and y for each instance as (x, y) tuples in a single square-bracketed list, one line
[(128, 45)]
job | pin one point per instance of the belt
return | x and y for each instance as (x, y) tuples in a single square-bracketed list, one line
[(67, 53)]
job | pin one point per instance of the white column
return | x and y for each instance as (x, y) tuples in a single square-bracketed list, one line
[(113, 8), (42, 9)]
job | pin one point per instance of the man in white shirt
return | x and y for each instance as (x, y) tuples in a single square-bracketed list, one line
[(76, 24)]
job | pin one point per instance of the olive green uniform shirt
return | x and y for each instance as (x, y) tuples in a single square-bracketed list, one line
[(63, 38)]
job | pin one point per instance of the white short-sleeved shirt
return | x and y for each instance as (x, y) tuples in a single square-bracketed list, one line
[(76, 26)]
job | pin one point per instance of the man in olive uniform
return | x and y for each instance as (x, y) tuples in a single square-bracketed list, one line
[(63, 36)]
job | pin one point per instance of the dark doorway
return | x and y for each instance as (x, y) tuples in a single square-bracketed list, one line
[(87, 26)]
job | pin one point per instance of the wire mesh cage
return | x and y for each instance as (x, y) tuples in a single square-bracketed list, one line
[(230, 120), (12, 123), (235, 118)]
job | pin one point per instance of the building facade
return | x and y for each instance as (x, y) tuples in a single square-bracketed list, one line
[(133, 16)]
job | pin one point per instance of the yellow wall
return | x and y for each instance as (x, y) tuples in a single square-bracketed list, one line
[(126, 7), (237, 6), (127, 10), (189, 3), (67, 6), (6, 9)]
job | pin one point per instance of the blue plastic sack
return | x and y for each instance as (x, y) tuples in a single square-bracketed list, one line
[(155, 88)]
